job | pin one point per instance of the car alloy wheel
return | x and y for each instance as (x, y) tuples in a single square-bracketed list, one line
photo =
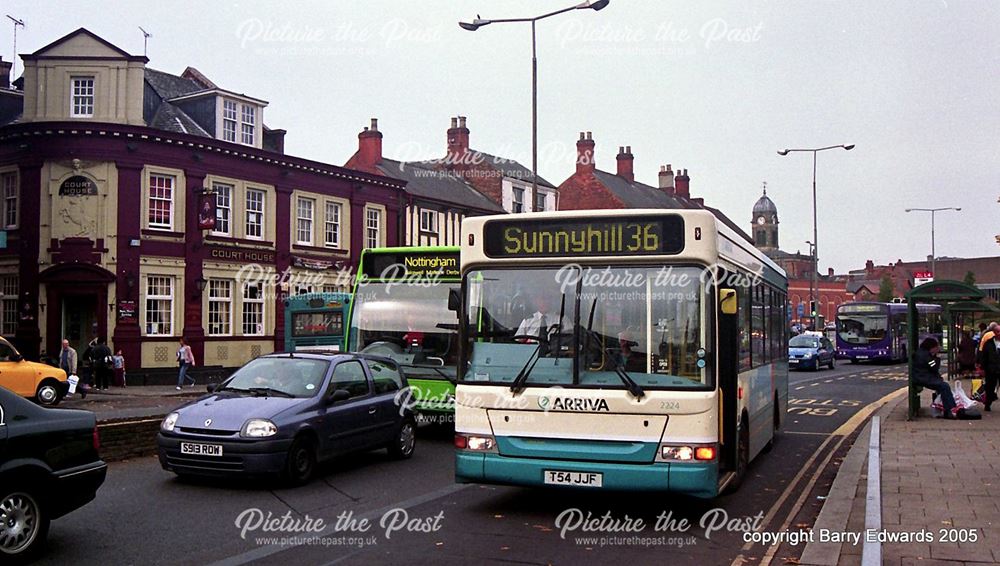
[(47, 394), (405, 441), (20, 522), (301, 464)]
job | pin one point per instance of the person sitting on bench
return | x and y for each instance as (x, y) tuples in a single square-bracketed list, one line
[(926, 373)]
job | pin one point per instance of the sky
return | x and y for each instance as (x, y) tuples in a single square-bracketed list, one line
[(713, 87)]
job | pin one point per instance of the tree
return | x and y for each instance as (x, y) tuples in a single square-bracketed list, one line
[(969, 279), (886, 289)]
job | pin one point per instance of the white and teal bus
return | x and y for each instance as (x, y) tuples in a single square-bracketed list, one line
[(626, 350)]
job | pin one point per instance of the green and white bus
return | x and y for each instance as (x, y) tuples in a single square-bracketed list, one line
[(635, 350), (401, 311), (316, 321)]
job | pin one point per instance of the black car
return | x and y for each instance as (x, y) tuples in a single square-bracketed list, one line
[(280, 414), (49, 466)]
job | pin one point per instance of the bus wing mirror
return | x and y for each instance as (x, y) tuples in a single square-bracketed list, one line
[(454, 300), (727, 301)]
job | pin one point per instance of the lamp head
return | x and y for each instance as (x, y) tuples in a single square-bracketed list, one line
[(909, 210), (782, 152), (849, 147), (476, 24), (599, 5)]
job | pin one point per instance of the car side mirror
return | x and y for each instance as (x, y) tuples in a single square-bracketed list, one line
[(727, 301), (340, 395), (454, 300), (16, 358), (211, 387)]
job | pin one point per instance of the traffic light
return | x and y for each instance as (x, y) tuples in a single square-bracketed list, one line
[(812, 308)]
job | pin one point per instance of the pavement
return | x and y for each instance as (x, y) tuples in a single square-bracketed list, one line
[(135, 402), (936, 481)]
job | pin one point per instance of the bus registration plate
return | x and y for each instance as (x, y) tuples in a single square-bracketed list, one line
[(583, 479)]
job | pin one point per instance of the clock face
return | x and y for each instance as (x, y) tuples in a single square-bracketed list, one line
[(760, 220)]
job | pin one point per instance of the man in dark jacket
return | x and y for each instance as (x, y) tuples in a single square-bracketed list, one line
[(991, 367), (101, 359), (926, 373)]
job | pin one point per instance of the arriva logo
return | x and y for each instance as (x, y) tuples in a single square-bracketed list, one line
[(573, 404)]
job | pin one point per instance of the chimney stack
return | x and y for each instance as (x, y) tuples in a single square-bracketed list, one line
[(869, 266), (829, 272), (370, 146), (585, 153), (5, 73), (625, 160), (683, 188), (458, 139), (666, 178)]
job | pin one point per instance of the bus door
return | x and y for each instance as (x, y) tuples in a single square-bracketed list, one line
[(727, 373)]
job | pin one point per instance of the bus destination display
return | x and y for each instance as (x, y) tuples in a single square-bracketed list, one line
[(411, 264), (636, 235)]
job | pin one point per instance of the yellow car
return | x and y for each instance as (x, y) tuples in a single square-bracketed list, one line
[(45, 384)]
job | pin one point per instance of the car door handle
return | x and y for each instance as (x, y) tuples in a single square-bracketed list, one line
[(372, 411)]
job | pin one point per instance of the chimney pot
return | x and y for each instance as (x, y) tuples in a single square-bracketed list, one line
[(454, 122), (588, 136), (628, 149), (663, 168), (582, 136), (621, 149), (461, 121), (375, 124)]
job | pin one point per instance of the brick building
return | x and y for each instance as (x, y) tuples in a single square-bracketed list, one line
[(105, 165), (865, 283)]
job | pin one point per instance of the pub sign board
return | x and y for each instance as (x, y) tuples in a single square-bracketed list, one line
[(78, 186)]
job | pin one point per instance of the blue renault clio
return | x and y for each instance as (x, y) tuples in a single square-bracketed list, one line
[(281, 414)]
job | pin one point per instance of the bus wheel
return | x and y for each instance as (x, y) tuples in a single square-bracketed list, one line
[(742, 456)]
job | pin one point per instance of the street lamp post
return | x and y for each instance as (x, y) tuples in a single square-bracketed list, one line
[(812, 282), (480, 22), (814, 287), (932, 211)]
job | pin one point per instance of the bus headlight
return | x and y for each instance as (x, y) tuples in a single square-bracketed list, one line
[(475, 443), (687, 453)]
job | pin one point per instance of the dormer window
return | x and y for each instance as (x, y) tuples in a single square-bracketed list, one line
[(229, 120), (248, 132), (82, 97)]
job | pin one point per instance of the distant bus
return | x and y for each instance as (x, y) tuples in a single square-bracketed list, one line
[(642, 350), (401, 311), (869, 331), (316, 320)]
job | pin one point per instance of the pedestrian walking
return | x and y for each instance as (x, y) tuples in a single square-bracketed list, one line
[(927, 373), (68, 362), (119, 367), (185, 359), (991, 366), (103, 365)]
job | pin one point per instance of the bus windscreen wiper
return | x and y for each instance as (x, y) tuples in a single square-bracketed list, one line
[(630, 384), (517, 385)]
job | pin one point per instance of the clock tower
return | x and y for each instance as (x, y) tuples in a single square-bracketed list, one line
[(765, 223)]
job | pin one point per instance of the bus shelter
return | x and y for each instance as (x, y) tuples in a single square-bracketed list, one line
[(961, 314), (951, 295)]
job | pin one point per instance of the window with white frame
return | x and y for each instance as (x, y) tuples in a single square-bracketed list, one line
[(303, 289), (161, 202), (220, 310), (8, 304), (10, 194), (539, 201), (304, 209), (82, 97), (223, 208), (334, 289), (253, 310), (159, 305), (255, 214), (332, 224), (428, 220), (229, 120), (517, 200), (249, 119), (373, 228)]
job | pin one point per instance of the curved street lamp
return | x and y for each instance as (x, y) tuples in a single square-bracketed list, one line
[(480, 22), (814, 284)]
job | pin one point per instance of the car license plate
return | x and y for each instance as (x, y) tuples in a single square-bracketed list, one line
[(585, 479), (201, 449), (861, 357), (793, 361)]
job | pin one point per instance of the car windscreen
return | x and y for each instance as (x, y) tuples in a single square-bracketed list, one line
[(804, 342), (297, 377)]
